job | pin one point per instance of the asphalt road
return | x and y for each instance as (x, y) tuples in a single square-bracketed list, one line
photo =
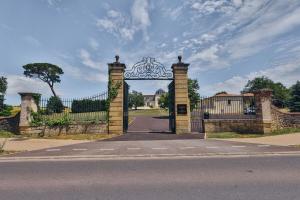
[(246, 178), (175, 147)]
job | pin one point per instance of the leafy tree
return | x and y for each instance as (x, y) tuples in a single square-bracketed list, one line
[(135, 99), (280, 92), (55, 105), (3, 88), (46, 72), (194, 96), (294, 102), (164, 100)]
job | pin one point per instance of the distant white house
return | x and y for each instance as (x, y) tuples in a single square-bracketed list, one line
[(228, 103), (151, 101)]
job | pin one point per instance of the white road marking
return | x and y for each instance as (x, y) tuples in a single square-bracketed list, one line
[(159, 148), (79, 149), (106, 149), (133, 148), (238, 146), (53, 150), (212, 147), (187, 147), (263, 145)]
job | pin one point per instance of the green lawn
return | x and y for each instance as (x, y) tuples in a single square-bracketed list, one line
[(81, 117), (149, 112)]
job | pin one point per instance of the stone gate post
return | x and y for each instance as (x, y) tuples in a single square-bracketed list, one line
[(182, 103), (263, 102), (116, 74), (28, 105)]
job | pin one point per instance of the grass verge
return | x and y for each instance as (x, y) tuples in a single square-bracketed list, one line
[(82, 137), (6, 134), (226, 135)]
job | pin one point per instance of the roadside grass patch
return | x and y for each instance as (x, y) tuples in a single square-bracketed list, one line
[(285, 131), (83, 136), (6, 134), (226, 135)]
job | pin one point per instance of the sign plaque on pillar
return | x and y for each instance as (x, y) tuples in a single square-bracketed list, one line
[(181, 109)]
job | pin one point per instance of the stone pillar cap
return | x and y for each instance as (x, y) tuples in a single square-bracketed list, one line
[(27, 93)]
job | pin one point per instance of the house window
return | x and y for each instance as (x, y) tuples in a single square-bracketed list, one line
[(228, 102)]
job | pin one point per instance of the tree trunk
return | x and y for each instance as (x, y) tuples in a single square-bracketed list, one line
[(52, 89)]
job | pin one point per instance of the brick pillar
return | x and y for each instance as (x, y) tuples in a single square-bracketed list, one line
[(263, 102), (116, 72), (182, 120), (28, 105)]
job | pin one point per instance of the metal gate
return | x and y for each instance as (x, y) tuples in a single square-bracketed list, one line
[(125, 107), (197, 116), (172, 125)]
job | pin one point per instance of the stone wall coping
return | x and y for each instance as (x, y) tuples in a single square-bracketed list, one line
[(285, 113), (228, 120)]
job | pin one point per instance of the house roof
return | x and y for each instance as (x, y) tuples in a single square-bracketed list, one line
[(235, 95)]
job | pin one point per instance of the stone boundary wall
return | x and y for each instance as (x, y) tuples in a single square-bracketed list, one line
[(282, 120), (10, 124), (64, 130), (232, 125)]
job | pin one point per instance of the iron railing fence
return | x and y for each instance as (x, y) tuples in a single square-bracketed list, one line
[(88, 109), (225, 107)]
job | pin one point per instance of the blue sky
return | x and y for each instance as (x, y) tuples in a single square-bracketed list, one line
[(226, 42)]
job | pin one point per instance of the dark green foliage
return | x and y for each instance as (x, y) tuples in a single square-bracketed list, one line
[(164, 100), (194, 96), (54, 105), (63, 121), (280, 92), (294, 101), (1, 102), (3, 85), (88, 105), (3, 88), (135, 99), (6, 110), (46, 72), (36, 118)]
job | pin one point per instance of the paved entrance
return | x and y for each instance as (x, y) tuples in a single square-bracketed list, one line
[(150, 124)]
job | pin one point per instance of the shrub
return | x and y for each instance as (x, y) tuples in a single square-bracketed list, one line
[(63, 121), (6, 110), (54, 105), (88, 105)]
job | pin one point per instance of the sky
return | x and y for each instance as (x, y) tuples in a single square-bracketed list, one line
[(226, 42)]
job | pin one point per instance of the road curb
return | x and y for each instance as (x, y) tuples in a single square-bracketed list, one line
[(146, 156)]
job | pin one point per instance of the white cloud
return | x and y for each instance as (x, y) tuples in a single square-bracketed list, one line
[(124, 26), (93, 43), (32, 40), (18, 84), (88, 61), (288, 74)]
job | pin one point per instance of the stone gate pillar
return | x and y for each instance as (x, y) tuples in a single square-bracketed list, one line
[(263, 102), (182, 103), (116, 74), (28, 105)]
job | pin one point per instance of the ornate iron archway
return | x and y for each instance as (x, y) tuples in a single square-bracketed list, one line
[(148, 69)]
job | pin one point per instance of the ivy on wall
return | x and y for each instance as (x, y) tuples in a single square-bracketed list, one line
[(113, 88)]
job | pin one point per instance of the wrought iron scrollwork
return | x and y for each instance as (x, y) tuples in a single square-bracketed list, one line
[(148, 69)]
